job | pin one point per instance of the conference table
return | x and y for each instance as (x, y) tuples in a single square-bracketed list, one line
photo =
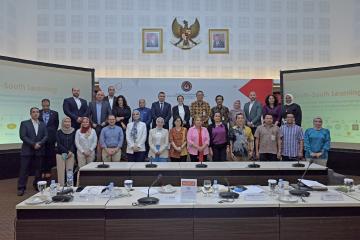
[(236, 173), (205, 218)]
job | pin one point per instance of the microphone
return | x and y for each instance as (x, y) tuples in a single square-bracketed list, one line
[(151, 164), (298, 164), (150, 200), (229, 194), (103, 165), (201, 164), (253, 165), (298, 191)]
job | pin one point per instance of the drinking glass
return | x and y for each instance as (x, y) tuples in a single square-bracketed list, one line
[(207, 186), (41, 186), (272, 185), (128, 186)]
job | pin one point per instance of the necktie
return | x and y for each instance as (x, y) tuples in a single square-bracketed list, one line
[(161, 106)]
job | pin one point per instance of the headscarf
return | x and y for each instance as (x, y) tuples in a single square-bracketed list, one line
[(235, 111), (86, 130), (66, 130), (133, 132), (292, 99)]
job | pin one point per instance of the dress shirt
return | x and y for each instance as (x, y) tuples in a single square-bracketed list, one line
[(251, 105), (78, 102), (145, 115), (98, 112), (111, 101), (36, 125), (46, 116), (292, 135), (111, 137), (181, 111)]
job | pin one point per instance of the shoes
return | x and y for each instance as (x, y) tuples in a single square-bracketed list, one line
[(20, 192)]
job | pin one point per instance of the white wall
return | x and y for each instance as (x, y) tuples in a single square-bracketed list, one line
[(265, 35)]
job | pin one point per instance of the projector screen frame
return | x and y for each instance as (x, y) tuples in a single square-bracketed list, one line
[(336, 145), (14, 146)]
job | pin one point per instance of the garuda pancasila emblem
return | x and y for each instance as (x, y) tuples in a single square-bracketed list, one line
[(185, 34)]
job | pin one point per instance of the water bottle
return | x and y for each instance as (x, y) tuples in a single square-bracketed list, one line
[(53, 188), (69, 178), (111, 189), (215, 186), (281, 188)]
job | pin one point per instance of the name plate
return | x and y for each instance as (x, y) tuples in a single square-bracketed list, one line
[(255, 197), (188, 190), (332, 196)]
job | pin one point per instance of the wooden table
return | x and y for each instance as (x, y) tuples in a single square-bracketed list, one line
[(237, 173)]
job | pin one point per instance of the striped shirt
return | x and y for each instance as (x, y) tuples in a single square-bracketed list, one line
[(292, 136)]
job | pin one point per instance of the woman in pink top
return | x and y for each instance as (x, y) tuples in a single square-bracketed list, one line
[(198, 141)]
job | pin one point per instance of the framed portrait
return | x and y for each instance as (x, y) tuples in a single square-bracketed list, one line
[(218, 41), (152, 40)]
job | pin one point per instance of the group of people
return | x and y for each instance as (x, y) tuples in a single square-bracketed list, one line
[(102, 129)]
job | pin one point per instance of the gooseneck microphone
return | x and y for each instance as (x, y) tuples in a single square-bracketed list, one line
[(150, 200), (103, 165), (298, 191), (298, 164), (228, 194), (253, 165), (151, 164)]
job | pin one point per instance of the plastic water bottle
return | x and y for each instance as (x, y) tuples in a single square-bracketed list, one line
[(281, 188), (53, 190), (111, 189), (215, 186), (69, 178)]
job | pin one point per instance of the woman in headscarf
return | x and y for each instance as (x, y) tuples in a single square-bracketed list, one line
[(317, 142), (159, 142), (291, 107), (234, 112), (136, 137), (86, 142), (65, 138)]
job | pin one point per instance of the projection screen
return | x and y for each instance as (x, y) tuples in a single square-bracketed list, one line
[(332, 93), (25, 83)]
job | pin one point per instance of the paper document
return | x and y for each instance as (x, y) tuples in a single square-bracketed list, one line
[(152, 191), (312, 184), (253, 189)]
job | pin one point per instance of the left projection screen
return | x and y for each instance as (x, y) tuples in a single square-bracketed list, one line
[(24, 83)]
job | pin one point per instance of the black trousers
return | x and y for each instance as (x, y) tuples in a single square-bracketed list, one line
[(195, 158), (136, 157), (264, 157), (181, 159), (219, 154), (49, 160), (27, 163), (287, 158)]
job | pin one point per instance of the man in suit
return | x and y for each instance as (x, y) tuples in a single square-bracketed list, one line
[(111, 98), (161, 109), (33, 133), (253, 112), (75, 107), (182, 111), (51, 120), (98, 112)]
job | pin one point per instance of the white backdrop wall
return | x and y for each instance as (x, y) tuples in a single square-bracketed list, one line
[(265, 35)]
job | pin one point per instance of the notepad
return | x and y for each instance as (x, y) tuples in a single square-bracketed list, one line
[(315, 185)]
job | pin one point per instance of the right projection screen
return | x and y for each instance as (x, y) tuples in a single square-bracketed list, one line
[(332, 93)]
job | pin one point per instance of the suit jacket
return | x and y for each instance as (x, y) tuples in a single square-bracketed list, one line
[(52, 125), (186, 120), (71, 110), (106, 98), (105, 112), (255, 115), (165, 113), (164, 143), (29, 138)]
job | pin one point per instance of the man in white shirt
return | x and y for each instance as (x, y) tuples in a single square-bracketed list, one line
[(111, 98), (75, 107), (34, 134)]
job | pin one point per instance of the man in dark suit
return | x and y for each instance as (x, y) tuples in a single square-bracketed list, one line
[(182, 111), (161, 109), (76, 108), (33, 133), (98, 112), (253, 112), (51, 120), (111, 98)]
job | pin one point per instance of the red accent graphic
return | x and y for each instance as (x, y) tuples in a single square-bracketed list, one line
[(262, 87)]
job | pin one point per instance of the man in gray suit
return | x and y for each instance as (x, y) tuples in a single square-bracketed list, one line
[(253, 112), (34, 134), (98, 112)]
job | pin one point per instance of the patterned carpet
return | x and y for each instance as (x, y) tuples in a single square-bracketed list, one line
[(8, 201)]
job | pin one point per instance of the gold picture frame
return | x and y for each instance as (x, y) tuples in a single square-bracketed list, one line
[(152, 40), (218, 41)]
